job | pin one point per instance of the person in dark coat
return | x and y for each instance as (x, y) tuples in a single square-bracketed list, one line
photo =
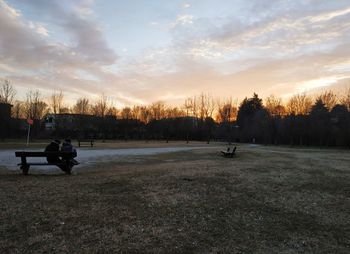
[(68, 147), (54, 146)]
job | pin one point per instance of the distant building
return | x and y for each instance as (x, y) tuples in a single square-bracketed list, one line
[(5, 119), (69, 121), (5, 111)]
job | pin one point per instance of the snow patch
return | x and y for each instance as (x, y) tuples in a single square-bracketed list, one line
[(87, 156)]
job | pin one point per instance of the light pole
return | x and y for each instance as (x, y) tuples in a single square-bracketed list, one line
[(30, 122)]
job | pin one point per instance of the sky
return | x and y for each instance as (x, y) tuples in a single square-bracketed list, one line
[(141, 51)]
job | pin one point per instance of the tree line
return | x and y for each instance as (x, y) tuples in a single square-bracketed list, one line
[(322, 120)]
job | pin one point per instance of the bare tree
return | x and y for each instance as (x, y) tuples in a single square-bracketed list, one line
[(56, 102), (345, 100), (101, 106), (18, 109), (227, 111), (329, 99), (82, 106), (158, 110), (126, 113), (173, 112), (188, 106), (112, 111), (206, 106), (35, 107), (7, 92), (65, 110), (191, 107), (299, 104), (145, 114), (274, 106), (136, 112), (202, 105)]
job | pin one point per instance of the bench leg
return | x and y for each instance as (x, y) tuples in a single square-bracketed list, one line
[(25, 169), (24, 166)]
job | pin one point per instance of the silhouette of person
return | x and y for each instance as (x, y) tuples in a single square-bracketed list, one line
[(68, 147), (54, 146)]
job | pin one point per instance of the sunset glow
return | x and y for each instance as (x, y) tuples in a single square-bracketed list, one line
[(138, 52)]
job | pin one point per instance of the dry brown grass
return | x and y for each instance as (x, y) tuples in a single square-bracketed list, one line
[(265, 200)]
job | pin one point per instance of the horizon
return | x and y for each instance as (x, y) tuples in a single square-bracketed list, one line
[(139, 53)]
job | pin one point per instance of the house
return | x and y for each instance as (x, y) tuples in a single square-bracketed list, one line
[(69, 121)]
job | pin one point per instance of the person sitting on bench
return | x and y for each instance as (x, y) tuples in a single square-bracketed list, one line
[(68, 147), (54, 146)]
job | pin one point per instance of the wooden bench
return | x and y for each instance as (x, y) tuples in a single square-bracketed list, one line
[(65, 165), (230, 152), (82, 142)]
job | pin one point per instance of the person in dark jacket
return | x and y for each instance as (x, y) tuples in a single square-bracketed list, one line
[(68, 147), (54, 146)]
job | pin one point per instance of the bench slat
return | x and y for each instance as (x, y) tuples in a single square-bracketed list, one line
[(229, 152), (40, 164), (87, 141), (43, 154), (65, 165)]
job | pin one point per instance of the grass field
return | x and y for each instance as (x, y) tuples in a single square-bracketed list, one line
[(265, 200)]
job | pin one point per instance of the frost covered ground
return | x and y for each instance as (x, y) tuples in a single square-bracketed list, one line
[(87, 156)]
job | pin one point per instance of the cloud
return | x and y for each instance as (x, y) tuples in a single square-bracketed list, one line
[(278, 46), (183, 20), (330, 15), (43, 63), (277, 53), (39, 28), (308, 85), (153, 23), (11, 12), (87, 42)]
